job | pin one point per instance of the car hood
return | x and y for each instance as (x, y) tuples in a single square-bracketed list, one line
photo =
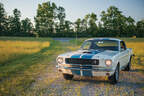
[(90, 54)]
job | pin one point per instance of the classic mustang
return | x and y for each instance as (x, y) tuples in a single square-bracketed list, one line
[(96, 57)]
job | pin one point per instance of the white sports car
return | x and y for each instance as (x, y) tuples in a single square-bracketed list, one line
[(96, 57)]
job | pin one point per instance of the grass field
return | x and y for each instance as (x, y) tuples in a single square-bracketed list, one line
[(22, 60), (12, 49)]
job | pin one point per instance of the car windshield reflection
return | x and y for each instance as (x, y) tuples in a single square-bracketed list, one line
[(100, 45)]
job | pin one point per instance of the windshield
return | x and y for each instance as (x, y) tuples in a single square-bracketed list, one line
[(100, 45)]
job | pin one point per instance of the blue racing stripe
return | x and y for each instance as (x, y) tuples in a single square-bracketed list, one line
[(84, 56), (87, 73), (89, 56), (76, 72), (76, 56)]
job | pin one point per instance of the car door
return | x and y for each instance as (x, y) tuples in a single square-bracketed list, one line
[(123, 54)]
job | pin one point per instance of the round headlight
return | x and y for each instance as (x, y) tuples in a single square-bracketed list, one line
[(108, 62), (60, 60)]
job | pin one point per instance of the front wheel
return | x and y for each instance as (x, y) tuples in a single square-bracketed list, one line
[(67, 76), (115, 77)]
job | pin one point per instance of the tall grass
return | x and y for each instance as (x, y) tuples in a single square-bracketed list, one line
[(12, 49), (137, 47)]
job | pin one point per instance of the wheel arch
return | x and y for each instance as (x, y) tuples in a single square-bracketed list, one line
[(118, 64)]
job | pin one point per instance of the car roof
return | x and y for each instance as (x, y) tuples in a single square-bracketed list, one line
[(104, 39)]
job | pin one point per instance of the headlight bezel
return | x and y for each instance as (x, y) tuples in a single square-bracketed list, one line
[(108, 62), (60, 60)]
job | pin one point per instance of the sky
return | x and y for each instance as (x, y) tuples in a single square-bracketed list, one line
[(78, 8)]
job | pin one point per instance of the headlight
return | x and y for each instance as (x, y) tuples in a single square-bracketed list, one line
[(108, 62), (60, 60)]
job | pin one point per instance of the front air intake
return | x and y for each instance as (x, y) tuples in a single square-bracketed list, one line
[(82, 61)]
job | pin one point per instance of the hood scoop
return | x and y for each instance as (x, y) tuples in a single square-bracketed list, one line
[(92, 52), (87, 52)]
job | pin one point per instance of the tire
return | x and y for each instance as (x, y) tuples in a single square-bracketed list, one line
[(115, 77), (67, 76), (128, 67)]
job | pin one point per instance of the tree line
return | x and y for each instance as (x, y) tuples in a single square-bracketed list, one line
[(50, 21)]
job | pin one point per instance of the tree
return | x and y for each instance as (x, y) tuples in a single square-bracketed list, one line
[(140, 28), (86, 21), (26, 27), (86, 26), (44, 20), (14, 23), (11, 26), (2, 20), (92, 24), (78, 25), (68, 27), (113, 21), (61, 17), (50, 21), (130, 28)]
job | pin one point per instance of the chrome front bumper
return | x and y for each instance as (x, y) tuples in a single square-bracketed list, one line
[(95, 71)]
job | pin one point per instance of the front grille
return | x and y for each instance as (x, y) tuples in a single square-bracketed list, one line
[(82, 61)]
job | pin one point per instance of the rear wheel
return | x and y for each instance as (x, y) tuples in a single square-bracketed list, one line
[(67, 76), (115, 77), (128, 67)]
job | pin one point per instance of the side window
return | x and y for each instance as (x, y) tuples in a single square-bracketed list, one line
[(122, 46)]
